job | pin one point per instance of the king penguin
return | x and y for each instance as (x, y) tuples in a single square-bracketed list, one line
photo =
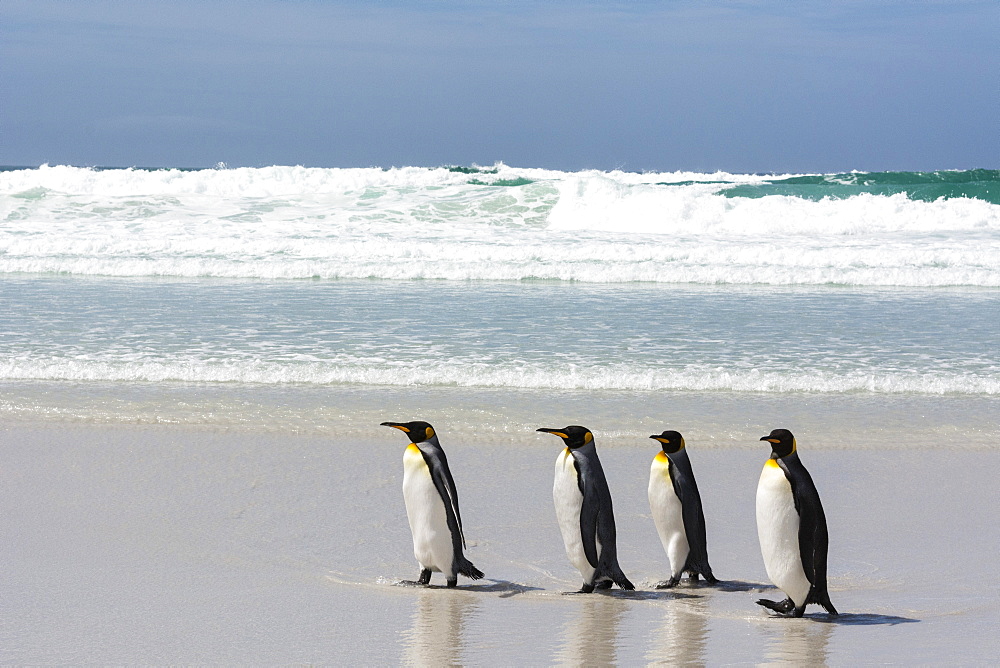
[(676, 506), (791, 526), (432, 506), (584, 511)]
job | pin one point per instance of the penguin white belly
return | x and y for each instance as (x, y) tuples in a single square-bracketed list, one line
[(432, 545), (778, 531), (569, 502), (668, 514)]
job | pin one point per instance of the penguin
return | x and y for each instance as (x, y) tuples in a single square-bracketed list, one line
[(432, 506), (677, 512), (584, 511), (791, 527)]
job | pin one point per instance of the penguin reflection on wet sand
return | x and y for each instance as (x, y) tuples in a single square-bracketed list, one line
[(432, 506), (677, 512), (584, 511), (792, 529)]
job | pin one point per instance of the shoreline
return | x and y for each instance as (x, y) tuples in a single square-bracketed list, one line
[(503, 416)]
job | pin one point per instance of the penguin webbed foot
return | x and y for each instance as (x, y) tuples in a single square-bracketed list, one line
[(425, 577), (603, 584), (784, 608), (586, 589), (694, 578), (452, 583)]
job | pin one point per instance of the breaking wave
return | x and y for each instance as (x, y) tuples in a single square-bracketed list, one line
[(504, 223)]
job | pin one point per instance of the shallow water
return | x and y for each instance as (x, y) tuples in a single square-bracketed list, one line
[(849, 368), (516, 335), (333, 356)]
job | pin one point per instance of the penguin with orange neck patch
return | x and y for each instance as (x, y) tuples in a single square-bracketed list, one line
[(432, 506), (677, 513), (584, 511), (791, 527)]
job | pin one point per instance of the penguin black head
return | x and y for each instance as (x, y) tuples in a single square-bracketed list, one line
[(418, 431), (782, 443), (672, 441), (574, 436)]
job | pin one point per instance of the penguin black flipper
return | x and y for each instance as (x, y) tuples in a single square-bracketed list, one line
[(445, 484), (686, 489), (589, 512), (694, 529), (597, 523), (814, 538), (607, 566)]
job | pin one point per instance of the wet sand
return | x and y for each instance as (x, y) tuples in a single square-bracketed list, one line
[(175, 544)]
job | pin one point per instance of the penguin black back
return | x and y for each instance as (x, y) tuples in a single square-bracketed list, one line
[(686, 489), (813, 537), (592, 522), (434, 471)]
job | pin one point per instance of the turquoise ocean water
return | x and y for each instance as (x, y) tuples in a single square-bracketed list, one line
[(861, 308)]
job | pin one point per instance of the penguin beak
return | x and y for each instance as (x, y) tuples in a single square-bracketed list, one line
[(770, 440), (657, 437), (396, 425), (554, 432)]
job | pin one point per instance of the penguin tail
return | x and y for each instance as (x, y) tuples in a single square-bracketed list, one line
[(609, 569), (619, 579), (698, 565), (706, 572), (828, 606), (822, 598), (466, 568)]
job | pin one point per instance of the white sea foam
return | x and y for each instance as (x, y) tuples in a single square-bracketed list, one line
[(614, 377), (410, 223)]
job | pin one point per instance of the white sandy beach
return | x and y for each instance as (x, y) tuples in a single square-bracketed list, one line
[(170, 544)]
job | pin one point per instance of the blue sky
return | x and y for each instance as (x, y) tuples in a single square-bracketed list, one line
[(734, 86)]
